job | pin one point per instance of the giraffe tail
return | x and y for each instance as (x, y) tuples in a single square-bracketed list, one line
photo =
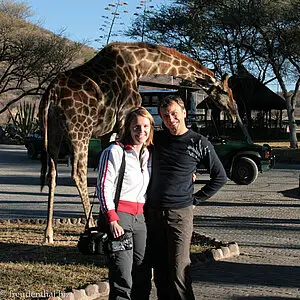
[(43, 119), (44, 159)]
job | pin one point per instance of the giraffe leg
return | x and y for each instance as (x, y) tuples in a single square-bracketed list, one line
[(80, 149), (48, 235), (54, 143)]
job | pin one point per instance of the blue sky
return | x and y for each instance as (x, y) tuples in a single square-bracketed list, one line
[(81, 20)]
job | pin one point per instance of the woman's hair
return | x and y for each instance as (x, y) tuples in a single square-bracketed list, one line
[(125, 136)]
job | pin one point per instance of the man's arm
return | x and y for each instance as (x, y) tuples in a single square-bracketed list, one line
[(218, 176)]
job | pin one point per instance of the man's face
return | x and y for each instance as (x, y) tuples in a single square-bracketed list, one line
[(173, 117)]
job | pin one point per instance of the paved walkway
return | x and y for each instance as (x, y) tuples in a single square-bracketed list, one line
[(263, 218)]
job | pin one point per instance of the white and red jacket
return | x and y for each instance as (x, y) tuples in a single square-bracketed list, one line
[(135, 182)]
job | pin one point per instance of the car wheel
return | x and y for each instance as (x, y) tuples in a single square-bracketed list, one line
[(244, 171), (31, 152)]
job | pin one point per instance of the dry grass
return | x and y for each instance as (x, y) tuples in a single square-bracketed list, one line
[(27, 266)]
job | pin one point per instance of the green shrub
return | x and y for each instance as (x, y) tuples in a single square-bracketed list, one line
[(25, 121)]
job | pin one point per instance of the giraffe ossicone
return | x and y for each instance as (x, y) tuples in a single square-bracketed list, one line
[(93, 99)]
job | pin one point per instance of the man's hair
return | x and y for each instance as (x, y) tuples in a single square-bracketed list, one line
[(165, 102), (125, 136)]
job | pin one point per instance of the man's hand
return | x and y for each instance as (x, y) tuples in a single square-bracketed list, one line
[(194, 177)]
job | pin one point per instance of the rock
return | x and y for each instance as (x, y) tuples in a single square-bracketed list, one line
[(103, 288), (234, 249), (226, 252), (217, 254), (79, 294), (92, 290)]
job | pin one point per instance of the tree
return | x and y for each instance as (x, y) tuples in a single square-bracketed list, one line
[(19, 10), (225, 34), (279, 29), (275, 29), (29, 56)]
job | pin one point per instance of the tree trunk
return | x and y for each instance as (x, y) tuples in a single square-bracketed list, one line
[(292, 124)]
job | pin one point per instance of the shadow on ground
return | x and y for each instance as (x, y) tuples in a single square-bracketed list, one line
[(227, 273), (292, 193), (262, 298), (58, 255)]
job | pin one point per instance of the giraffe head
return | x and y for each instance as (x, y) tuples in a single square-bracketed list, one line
[(221, 94)]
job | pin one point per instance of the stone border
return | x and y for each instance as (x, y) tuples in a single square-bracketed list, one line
[(91, 292), (220, 251), (56, 221)]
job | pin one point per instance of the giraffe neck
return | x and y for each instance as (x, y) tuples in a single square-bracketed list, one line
[(147, 59), (118, 67)]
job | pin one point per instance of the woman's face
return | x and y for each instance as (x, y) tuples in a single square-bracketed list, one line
[(140, 129)]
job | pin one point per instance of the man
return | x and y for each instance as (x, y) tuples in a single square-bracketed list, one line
[(171, 198)]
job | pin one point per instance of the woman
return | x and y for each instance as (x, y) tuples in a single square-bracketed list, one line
[(129, 278)]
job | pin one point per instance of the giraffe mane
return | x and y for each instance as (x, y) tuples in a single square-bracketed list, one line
[(179, 55), (171, 51)]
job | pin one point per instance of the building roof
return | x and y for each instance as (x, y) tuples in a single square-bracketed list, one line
[(250, 93), (248, 90)]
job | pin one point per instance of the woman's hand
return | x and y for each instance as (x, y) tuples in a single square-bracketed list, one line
[(116, 229)]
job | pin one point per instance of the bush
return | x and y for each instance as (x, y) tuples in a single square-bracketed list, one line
[(24, 122)]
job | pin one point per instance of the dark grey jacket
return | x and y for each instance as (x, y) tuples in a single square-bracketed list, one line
[(175, 159)]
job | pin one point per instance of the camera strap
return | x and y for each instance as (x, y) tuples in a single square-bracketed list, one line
[(120, 179)]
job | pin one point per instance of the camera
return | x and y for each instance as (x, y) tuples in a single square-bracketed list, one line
[(122, 243), (91, 241)]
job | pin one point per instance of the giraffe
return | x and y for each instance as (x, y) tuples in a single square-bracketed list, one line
[(92, 100)]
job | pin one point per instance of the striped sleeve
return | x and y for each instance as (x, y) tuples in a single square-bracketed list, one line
[(108, 170)]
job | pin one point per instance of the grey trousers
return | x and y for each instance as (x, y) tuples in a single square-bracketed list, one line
[(129, 276), (168, 249)]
